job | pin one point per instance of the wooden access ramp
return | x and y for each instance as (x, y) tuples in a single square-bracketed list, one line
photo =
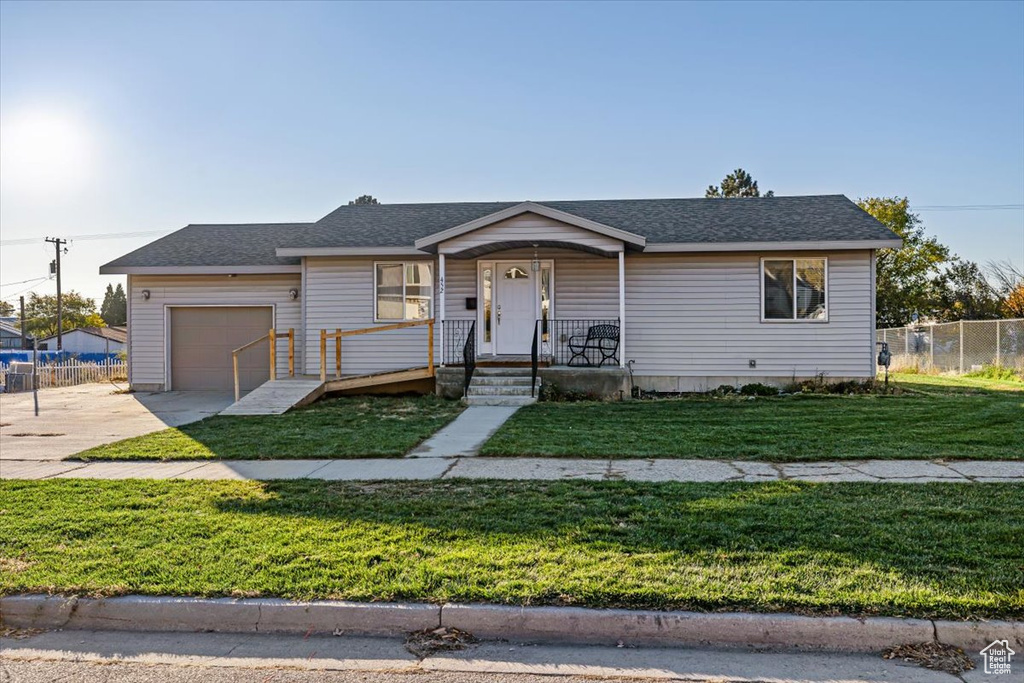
[(277, 396), (377, 379), (281, 395)]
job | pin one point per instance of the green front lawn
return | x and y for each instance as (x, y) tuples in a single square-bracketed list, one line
[(935, 417), (334, 428), (927, 550)]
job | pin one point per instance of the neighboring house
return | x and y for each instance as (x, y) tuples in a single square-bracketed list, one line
[(90, 340), (10, 336), (704, 291)]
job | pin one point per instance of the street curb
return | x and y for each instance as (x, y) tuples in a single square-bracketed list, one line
[(226, 615), (571, 625), (641, 627)]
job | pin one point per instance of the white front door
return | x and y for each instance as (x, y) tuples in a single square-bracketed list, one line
[(515, 307)]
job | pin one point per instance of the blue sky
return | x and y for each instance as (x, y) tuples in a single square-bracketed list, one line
[(139, 117)]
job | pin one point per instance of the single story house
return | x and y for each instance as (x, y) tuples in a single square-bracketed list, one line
[(10, 336), (675, 294), (89, 340)]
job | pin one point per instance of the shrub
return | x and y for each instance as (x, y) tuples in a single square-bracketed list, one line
[(550, 391), (997, 372), (758, 389)]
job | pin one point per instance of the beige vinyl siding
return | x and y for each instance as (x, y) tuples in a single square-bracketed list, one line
[(147, 328), (700, 315), (529, 227), (340, 294)]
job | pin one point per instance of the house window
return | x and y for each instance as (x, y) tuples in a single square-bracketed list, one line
[(404, 291), (794, 289), (516, 273), (487, 305)]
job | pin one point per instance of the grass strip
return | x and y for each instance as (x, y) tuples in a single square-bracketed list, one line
[(925, 550)]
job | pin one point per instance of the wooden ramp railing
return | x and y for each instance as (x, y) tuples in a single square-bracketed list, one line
[(272, 336), (338, 335)]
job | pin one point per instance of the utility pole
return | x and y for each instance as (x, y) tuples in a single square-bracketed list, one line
[(58, 244), (21, 300)]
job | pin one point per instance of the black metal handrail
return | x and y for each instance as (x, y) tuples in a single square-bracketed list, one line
[(469, 358), (534, 358)]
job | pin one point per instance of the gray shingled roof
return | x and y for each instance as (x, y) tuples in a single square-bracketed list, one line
[(216, 245), (766, 219)]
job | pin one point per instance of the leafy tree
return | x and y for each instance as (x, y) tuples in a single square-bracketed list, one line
[(1009, 282), (739, 183), (6, 309), (114, 309), (363, 200), (961, 292), (904, 277), (41, 313), (1013, 304)]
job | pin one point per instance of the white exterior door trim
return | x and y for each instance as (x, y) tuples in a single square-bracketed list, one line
[(491, 348)]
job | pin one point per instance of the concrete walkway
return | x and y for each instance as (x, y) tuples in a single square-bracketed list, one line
[(422, 468), (72, 419), (465, 434)]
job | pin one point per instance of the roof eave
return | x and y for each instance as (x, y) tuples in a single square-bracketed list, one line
[(349, 251), (802, 245), (110, 269)]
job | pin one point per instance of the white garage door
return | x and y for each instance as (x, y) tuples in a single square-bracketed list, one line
[(202, 340)]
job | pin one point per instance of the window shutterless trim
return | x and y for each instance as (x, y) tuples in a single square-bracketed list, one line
[(404, 265), (794, 319)]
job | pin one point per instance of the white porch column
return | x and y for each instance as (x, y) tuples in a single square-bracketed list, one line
[(622, 307), (440, 291)]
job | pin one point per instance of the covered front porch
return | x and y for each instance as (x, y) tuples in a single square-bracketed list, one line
[(532, 288)]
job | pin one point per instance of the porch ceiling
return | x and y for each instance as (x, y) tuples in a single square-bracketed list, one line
[(505, 245)]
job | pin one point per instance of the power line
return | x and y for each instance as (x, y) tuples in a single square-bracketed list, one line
[(22, 291), (21, 282), (969, 207), (86, 238)]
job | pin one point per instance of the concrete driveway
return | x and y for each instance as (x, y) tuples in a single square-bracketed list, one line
[(72, 419)]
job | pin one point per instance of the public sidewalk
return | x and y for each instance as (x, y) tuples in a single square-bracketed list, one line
[(423, 468), (111, 655)]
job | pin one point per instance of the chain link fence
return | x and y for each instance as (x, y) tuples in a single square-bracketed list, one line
[(956, 347)]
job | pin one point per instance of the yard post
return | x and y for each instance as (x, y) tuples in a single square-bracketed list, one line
[(291, 351), (234, 364), (323, 355), (931, 348), (961, 347), (272, 336), (337, 353), (999, 358), (430, 347)]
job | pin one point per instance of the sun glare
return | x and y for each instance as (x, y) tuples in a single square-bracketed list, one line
[(44, 152)]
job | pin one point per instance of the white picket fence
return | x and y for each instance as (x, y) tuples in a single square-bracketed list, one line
[(69, 373)]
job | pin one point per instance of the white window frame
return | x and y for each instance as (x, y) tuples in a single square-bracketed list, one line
[(404, 265), (794, 259)]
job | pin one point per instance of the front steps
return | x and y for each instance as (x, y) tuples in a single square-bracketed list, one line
[(500, 386)]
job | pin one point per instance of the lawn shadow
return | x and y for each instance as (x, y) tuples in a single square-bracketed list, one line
[(794, 538)]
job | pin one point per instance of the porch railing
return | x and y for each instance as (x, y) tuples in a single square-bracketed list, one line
[(553, 335), (456, 333), (272, 336), (339, 334)]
